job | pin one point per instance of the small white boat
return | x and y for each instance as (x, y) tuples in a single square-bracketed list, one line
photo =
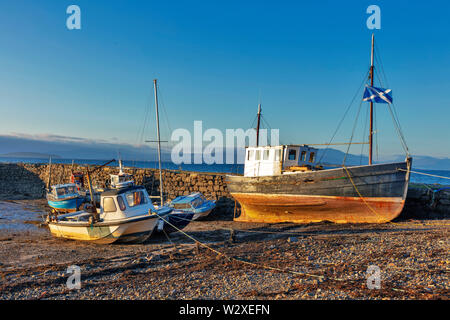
[(125, 215)]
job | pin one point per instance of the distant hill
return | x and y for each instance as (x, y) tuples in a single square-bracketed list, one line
[(424, 162), (77, 148), (29, 155)]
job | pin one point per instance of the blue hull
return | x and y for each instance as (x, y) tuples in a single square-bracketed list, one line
[(179, 220), (66, 205)]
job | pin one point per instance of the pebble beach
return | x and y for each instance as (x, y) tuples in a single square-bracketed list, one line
[(229, 260)]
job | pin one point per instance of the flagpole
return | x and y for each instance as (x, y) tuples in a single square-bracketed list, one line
[(371, 105)]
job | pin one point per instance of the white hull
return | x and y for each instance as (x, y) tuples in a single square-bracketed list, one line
[(136, 229)]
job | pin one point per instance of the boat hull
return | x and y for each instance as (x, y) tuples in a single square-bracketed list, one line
[(127, 231), (201, 214), (363, 194), (66, 205), (177, 221)]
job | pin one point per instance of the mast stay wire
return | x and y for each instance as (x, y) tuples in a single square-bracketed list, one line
[(363, 135), (393, 109), (353, 132), (164, 109), (344, 116)]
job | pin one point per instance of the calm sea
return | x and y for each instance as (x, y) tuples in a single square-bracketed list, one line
[(223, 168)]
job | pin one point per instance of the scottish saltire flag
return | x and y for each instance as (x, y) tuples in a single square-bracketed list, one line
[(378, 95)]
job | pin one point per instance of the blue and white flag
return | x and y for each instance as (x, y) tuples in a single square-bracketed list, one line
[(378, 95)]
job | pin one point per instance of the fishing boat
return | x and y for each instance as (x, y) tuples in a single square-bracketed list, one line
[(286, 183), (71, 197), (65, 198), (121, 180), (126, 215)]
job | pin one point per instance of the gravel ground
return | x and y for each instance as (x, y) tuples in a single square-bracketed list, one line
[(256, 261)]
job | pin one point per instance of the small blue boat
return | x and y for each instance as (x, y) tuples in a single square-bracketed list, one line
[(65, 198), (185, 209), (194, 202)]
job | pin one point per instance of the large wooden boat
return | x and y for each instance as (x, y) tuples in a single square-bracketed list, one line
[(285, 184)]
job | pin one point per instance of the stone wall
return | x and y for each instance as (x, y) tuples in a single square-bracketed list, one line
[(27, 181), (425, 202)]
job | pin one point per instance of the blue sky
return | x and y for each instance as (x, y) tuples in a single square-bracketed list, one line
[(213, 59)]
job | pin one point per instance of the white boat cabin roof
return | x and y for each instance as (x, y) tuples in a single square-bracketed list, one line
[(66, 185), (276, 160)]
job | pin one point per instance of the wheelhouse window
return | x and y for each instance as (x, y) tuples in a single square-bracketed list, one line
[(266, 154), (109, 205), (303, 156), (135, 198), (60, 192), (258, 154), (250, 154), (311, 157), (277, 155), (121, 203), (181, 206), (197, 203), (71, 189), (292, 155)]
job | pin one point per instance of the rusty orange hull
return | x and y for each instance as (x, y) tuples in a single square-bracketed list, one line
[(360, 194), (305, 209)]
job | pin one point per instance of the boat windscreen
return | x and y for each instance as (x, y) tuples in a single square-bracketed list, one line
[(181, 205)]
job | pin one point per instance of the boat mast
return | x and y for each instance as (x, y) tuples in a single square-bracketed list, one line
[(371, 104), (159, 145), (49, 173), (257, 126)]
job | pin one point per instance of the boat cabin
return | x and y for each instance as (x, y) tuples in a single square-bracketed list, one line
[(78, 179), (121, 180), (192, 201), (125, 202), (63, 191), (276, 160)]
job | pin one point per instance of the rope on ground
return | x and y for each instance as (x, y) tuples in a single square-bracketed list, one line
[(246, 262)]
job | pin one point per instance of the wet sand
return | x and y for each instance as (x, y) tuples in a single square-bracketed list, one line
[(260, 261)]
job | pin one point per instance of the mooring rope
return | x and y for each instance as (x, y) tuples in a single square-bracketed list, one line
[(362, 198), (373, 210), (246, 262), (426, 174)]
